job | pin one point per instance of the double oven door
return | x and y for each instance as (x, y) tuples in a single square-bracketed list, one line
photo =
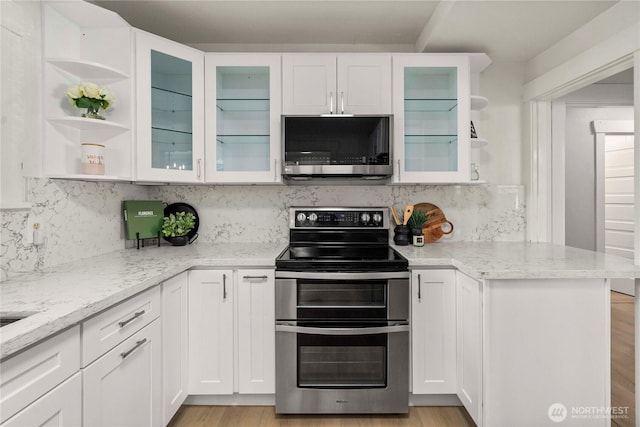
[(342, 342)]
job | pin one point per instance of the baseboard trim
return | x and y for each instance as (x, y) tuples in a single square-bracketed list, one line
[(270, 400)]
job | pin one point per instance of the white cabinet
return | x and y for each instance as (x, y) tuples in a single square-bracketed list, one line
[(256, 331), (242, 118), (211, 331), (78, 46), (170, 110), (232, 331), (123, 387), (469, 351), (433, 320), (62, 406), (342, 84), (27, 376), (175, 342), (432, 118)]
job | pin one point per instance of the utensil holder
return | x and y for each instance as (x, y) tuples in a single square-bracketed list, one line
[(401, 235)]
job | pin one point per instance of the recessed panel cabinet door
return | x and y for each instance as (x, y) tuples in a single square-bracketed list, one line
[(256, 331), (175, 344), (308, 84), (211, 331), (433, 311), (364, 84), (329, 84), (469, 352), (62, 407), (123, 387)]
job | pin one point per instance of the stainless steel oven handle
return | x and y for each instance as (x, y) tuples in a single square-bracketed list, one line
[(342, 276), (342, 331)]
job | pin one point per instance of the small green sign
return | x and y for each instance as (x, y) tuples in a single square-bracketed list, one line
[(144, 217)]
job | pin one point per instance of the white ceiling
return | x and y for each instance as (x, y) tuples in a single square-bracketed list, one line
[(507, 30)]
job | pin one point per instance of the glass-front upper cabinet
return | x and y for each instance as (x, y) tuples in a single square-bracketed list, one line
[(170, 97), (243, 110), (432, 118)]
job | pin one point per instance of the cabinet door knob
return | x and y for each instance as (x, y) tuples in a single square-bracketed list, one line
[(341, 102), (199, 168)]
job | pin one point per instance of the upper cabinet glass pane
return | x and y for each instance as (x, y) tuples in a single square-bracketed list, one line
[(172, 112), (431, 118), (242, 118)]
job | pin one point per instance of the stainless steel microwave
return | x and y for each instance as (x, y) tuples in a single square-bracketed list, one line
[(337, 147)]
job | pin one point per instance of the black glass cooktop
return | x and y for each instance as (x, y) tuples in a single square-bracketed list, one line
[(343, 258)]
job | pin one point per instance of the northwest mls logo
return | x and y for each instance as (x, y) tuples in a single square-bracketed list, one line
[(557, 412)]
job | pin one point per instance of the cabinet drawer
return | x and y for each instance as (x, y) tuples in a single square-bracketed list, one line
[(62, 406), (123, 387), (109, 328), (32, 373)]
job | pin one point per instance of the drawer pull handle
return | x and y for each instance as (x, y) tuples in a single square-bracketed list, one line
[(419, 288), (255, 277), (135, 316), (224, 286), (135, 347)]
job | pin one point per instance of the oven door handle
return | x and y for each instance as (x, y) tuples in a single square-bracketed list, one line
[(342, 331), (342, 276)]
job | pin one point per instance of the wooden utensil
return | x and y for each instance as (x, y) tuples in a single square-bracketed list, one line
[(408, 211), (395, 215)]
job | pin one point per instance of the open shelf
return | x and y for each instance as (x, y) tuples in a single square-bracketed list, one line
[(88, 69), (83, 123), (478, 142), (86, 177), (479, 102)]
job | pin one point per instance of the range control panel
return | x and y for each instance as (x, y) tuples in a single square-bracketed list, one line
[(338, 217)]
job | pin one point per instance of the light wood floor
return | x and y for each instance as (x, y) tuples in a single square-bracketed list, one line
[(622, 355), (622, 395)]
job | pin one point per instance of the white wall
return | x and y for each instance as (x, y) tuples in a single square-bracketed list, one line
[(580, 208), (501, 123), (20, 85)]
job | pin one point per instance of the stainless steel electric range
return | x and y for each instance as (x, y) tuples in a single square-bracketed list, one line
[(342, 315)]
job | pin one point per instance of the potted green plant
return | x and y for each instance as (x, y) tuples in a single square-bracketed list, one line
[(417, 219), (176, 227)]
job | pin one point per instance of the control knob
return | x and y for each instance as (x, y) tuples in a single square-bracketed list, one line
[(301, 217), (377, 218), (365, 217), (313, 217)]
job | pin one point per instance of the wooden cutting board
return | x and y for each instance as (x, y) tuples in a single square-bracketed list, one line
[(432, 229)]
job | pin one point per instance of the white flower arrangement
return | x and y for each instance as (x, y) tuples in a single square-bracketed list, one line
[(90, 96)]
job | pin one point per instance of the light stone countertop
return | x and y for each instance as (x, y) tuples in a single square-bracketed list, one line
[(519, 260), (67, 294)]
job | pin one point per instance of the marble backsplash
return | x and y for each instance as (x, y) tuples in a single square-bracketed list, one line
[(79, 219), (260, 213), (83, 219)]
